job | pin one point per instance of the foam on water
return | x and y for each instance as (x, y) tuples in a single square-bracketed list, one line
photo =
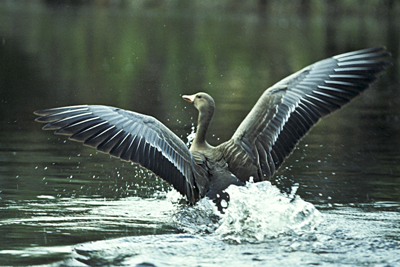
[(256, 212)]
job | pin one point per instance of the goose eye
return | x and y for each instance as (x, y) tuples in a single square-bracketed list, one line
[(198, 96)]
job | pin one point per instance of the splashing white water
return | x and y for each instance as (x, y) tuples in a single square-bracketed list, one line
[(257, 212), (191, 136)]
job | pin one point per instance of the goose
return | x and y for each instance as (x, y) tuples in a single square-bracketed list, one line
[(282, 115)]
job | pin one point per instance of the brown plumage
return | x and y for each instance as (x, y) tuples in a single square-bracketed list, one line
[(281, 117)]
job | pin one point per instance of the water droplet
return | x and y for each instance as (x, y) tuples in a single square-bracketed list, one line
[(224, 204)]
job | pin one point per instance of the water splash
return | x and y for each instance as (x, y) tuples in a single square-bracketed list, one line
[(257, 212), (191, 136), (202, 218)]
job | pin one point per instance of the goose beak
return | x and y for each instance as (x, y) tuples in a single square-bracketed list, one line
[(189, 98)]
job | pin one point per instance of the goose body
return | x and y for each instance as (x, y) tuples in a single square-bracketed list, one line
[(281, 117)]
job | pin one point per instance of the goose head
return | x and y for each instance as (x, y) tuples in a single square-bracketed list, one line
[(204, 103)]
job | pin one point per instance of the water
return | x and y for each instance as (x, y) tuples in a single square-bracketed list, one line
[(159, 232), (335, 202), (327, 246)]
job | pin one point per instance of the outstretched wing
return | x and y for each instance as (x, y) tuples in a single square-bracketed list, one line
[(287, 111), (127, 135)]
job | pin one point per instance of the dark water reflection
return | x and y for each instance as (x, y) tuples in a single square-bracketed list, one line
[(143, 59)]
